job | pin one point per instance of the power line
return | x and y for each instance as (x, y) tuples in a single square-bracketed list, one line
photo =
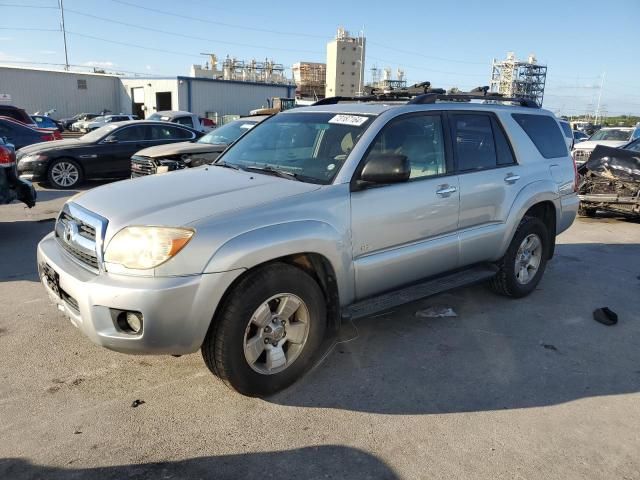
[(212, 22), (28, 29), (143, 47), (19, 5), (192, 37), (431, 57)]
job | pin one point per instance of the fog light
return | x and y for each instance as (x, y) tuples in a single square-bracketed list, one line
[(130, 321)]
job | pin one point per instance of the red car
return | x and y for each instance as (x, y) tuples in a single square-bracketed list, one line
[(21, 135)]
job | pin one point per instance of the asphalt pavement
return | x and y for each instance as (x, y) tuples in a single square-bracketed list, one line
[(531, 388)]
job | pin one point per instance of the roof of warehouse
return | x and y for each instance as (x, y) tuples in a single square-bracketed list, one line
[(52, 70)]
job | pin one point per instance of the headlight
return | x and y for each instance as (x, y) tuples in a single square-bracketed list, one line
[(33, 157), (142, 248)]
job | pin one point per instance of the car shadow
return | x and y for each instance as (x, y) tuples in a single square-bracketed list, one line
[(18, 248), (498, 353), (327, 461)]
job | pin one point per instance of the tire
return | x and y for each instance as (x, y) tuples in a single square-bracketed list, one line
[(509, 279), (239, 322), (587, 212), (64, 173)]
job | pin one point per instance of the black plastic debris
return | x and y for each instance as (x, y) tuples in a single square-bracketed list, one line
[(605, 315), (137, 403), (549, 346)]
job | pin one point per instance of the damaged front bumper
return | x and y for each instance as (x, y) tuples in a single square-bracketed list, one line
[(610, 181)]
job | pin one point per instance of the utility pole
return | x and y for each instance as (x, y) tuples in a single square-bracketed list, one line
[(64, 36), (361, 86), (599, 97)]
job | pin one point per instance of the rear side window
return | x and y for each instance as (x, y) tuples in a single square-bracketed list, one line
[(474, 145), (544, 133), (184, 121), (566, 129)]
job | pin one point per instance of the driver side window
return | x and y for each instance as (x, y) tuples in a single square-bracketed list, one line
[(420, 139)]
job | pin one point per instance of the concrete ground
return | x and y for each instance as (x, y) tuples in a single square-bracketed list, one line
[(531, 388)]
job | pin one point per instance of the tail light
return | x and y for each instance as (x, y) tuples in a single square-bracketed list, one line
[(47, 137), (57, 135), (576, 176), (7, 157)]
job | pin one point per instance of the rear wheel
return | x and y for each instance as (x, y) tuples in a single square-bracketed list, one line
[(64, 173), (268, 330), (522, 266)]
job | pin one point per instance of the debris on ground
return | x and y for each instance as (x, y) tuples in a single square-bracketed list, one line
[(436, 311), (549, 346), (605, 315), (137, 403), (76, 432)]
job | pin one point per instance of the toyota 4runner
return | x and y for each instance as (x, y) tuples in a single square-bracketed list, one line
[(318, 214)]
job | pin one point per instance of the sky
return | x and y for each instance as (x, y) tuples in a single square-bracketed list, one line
[(585, 44)]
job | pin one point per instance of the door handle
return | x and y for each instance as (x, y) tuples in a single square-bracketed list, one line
[(446, 190), (511, 178)]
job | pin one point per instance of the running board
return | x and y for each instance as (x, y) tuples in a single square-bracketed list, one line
[(389, 300)]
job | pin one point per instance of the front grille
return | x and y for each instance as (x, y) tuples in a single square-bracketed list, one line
[(85, 229), (91, 260), (141, 166), (79, 233), (581, 156), (70, 300)]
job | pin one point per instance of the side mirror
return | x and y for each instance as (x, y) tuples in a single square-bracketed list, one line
[(383, 168), (110, 139)]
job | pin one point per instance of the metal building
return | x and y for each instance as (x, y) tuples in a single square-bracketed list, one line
[(519, 79), (204, 96), (74, 92), (66, 92)]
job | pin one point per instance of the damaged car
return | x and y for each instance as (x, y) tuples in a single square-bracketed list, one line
[(11, 187), (204, 150), (610, 181)]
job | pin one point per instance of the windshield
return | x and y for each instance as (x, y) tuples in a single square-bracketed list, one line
[(612, 134), (98, 133), (96, 119), (228, 133), (311, 146)]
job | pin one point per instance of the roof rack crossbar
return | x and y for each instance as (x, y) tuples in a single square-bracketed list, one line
[(429, 98)]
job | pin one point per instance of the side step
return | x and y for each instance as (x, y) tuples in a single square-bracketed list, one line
[(386, 301)]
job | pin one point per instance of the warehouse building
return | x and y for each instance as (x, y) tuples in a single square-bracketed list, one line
[(73, 92), (68, 92), (204, 96)]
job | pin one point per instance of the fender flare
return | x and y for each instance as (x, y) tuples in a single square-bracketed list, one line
[(533, 193), (264, 244)]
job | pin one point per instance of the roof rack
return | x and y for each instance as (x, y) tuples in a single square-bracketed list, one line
[(423, 93)]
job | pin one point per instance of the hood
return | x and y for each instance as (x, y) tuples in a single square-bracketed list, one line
[(160, 151), (55, 144), (184, 197), (591, 144), (615, 163)]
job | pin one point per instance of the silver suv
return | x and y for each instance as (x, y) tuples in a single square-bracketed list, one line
[(317, 214)]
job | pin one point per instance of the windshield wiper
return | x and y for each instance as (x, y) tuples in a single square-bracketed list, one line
[(227, 165), (275, 172)]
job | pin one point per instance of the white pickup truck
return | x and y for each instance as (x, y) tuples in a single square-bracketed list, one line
[(188, 119)]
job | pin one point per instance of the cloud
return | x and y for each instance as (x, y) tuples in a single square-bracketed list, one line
[(47, 52), (10, 58), (148, 67), (94, 63)]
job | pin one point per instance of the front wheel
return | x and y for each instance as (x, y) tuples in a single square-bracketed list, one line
[(64, 173), (522, 266), (268, 330)]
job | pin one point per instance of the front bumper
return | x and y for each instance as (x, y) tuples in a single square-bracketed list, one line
[(177, 311), (33, 171)]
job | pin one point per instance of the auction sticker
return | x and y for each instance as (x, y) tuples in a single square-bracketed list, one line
[(354, 120)]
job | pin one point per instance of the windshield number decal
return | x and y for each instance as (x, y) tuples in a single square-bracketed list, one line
[(354, 120)]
